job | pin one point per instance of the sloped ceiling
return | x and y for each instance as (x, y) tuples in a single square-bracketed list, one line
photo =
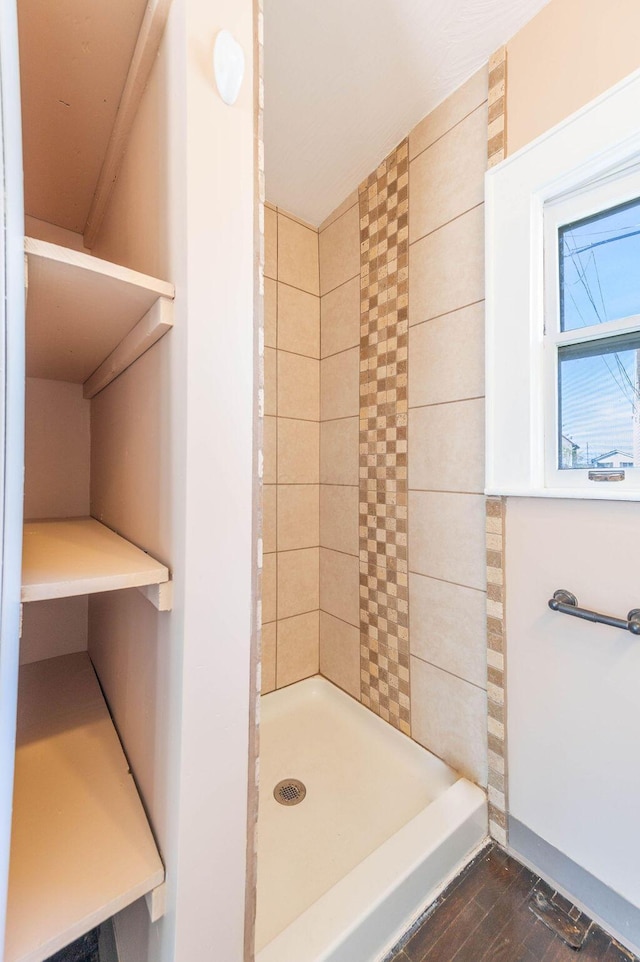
[(346, 80), (74, 58)]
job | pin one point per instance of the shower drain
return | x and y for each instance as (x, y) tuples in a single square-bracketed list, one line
[(290, 791)]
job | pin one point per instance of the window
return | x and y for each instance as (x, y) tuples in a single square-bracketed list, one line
[(563, 308), (592, 333)]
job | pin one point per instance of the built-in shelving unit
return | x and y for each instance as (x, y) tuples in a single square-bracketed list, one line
[(80, 556), (88, 319), (81, 847)]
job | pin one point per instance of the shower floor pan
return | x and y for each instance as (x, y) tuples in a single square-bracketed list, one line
[(383, 826)]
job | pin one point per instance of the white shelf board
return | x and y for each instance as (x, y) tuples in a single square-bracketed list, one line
[(80, 308), (81, 846), (80, 556)]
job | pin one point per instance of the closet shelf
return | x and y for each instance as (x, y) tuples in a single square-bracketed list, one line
[(81, 847), (88, 319), (80, 556)]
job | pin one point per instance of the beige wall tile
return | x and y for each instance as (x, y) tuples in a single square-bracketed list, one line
[(340, 653), (298, 516), (339, 585), (446, 447), (269, 517), (270, 243), (446, 357), (448, 627), (339, 451), (447, 179), (340, 318), (339, 518), (270, 381), (340, 250), (269, 576), (297, 582), (270, 312), (449, 716), (268, 660), (298, 321), (340, 209), (298, 387), (340, 385), (451, 111), (298, 648), (446, 537), (446, 268), (269, 451), (297, 255), (298, 447)]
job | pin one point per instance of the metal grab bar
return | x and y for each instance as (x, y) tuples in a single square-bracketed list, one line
[(567, 604)]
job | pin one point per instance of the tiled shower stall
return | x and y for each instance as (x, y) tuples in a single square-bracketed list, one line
[(374, 535)]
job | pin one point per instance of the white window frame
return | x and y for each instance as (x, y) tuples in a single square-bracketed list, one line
[(588, 163), (620, 187)]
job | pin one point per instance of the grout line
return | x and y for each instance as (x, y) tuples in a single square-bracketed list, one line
[(341, 284), (447, 131), (445, 581), (288, 417), (297, 615), (297, 220), (346, 554), (344, 417), (298, 484), (439, 404), (447, 672), (293, 287), (445, 224), (475, 494), (327, 223), (436, 317), (344, 350), (303, 547), (331, 615), (284, 350), (338, 484)]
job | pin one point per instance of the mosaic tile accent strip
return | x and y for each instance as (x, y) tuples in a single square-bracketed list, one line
[(497, 789), (495, 514), (384, 592), (497, 132)]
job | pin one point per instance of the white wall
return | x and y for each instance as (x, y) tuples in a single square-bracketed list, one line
[(178, 683), (573, 721), (573, 718)]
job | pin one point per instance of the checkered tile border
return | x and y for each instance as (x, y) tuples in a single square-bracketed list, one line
[(497, 133), (496, 508), (384, 591), (495, 669)]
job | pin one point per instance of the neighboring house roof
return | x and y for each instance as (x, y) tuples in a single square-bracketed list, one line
[(610, 454), (570, 442)]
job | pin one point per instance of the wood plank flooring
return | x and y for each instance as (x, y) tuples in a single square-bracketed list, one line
[(485, 916)]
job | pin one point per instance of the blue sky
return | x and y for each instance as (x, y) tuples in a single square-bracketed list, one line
[(600, 282)]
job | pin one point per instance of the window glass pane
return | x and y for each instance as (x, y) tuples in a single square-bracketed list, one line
[(599, 415), (600, 267)]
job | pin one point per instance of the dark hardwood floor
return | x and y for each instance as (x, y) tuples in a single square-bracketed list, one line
[(499, 911)]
